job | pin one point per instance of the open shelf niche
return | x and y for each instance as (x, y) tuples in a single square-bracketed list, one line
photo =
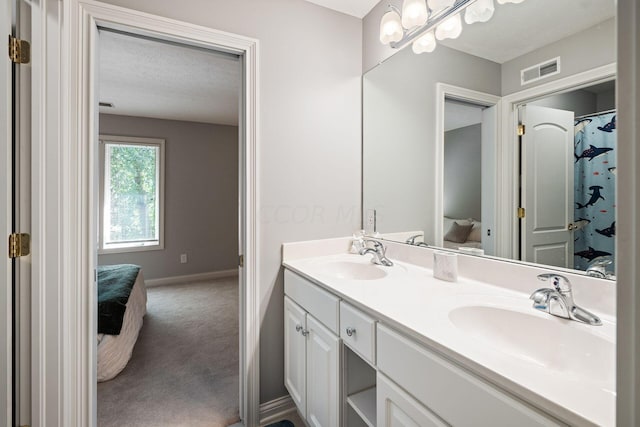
[(360, 390)]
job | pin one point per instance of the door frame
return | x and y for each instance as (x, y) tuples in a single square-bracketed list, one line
[(6, 214), (65, 148), (444, 91), (507, 192)]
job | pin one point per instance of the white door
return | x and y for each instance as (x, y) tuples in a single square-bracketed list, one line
[(6, 214), (295, 353), (488, 178), (547, 186), (398, 409), (323, 397)]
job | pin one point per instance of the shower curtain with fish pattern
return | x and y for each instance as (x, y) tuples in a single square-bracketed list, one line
[(595, 178)]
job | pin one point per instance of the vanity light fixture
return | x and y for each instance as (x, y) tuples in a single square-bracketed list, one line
[(450, 28), (414, 13), (437, 5), (391, 27), (423, 21), (480, 11), (425, 43)]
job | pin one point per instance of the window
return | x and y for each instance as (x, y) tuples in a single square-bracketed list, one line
[(131, 194)]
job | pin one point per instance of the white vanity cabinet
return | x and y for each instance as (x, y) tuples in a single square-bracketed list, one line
[(458, 397), (312, 352), (381, 377), (397, 409)]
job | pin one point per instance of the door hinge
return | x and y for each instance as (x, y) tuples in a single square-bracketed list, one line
[(520, 213), (521, 130), (19, 51), (19, 245), (240, 260)]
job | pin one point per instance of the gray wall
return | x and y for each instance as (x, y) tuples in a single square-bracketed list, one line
[(580, 102), (399, 132), (201, 196), (309, 136), (606, 101), (463, 172), (588, 49)]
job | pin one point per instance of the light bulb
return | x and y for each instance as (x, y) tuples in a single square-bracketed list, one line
[(510, 1), (425, 43), (480, 11), (414, 13), (450, 28), (436, 5), (390, 28)]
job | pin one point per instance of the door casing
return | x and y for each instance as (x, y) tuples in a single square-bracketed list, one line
[(508, 190), (65, 141), (6, 214)]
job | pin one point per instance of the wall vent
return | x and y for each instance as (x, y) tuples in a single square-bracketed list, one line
[(540, 71)]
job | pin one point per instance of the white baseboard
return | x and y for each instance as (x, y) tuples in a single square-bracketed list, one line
[(276, 410), (174, 280)]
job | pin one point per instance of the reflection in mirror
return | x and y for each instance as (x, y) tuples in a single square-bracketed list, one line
[(465, 140), (581, 173), (433, 168)]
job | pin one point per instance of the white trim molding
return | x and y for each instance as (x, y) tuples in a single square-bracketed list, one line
[(628, 215), (276, 410), (507, 241), (444, 91), (198, 277), (65, 200)]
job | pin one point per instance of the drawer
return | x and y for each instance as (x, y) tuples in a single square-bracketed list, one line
[(358, 331), (319, 303), (457, 396)]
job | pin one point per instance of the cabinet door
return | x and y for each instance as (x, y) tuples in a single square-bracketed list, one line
[(323, 393), (295, 353), (398, 409)]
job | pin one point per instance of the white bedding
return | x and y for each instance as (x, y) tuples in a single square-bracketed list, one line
[(114, 351), (467, 244)]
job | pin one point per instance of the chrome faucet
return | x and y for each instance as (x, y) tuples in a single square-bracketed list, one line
[(412, 241), (559, 300), (378, 251), (598, 268)]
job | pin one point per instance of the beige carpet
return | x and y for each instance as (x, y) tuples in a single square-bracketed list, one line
[(184, 368)]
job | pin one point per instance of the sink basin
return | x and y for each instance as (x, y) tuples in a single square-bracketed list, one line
[(576, 350), (353, 270)]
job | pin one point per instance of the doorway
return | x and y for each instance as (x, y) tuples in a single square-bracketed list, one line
[(168, 170), (465, 111), (79, 137), (469, 176), (568, 174)]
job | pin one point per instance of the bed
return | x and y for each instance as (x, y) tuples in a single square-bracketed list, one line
[(116, 338), (474, 238)]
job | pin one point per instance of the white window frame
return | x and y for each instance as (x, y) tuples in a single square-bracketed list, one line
[(131, 247)]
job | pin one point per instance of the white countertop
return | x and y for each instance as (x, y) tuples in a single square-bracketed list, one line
[(410, 299)]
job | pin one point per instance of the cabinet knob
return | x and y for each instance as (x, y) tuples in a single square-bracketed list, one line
[(351, 331), (305, 332), (298, 328)]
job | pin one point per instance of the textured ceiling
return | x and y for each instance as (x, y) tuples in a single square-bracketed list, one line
[(357, 8), (150, 78), (516, 29)]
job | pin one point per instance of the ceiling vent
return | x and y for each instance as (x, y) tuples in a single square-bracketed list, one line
[(540, 71)]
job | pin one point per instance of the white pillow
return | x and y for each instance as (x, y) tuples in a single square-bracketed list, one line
[(476, 232)]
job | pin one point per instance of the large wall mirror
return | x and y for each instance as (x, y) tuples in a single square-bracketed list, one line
[(501, 142)]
